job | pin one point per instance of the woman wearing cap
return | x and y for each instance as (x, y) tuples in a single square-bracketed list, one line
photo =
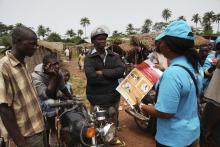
[(103, 68), (210, 63), (176, 108)]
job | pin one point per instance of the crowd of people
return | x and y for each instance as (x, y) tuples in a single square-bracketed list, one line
[(188, 75)]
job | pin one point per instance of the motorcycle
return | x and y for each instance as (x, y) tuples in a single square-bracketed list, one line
[(81, 128), (147, 123)]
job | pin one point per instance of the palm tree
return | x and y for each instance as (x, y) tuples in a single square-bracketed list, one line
[(196, 19), (84, 22), (166, 14), (19, 25), (48, 30), (147, 26), (130, 29), (217, 20), (208, 19), (80, 32), (70, 33), (41, 31)]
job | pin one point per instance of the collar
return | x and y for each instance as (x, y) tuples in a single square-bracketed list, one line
[(94, 52), (14, 62)]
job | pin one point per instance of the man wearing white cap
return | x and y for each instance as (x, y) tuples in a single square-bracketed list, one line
[(103, 68)]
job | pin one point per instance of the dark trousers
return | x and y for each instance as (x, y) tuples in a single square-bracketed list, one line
[(36, 140)]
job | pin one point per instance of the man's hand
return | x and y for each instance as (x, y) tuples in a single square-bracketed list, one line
[(99, 72), (51, 69)]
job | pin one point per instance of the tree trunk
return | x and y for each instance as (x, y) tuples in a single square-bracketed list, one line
[(218, 27), (85, 31)]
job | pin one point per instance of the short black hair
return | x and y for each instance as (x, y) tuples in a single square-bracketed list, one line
[(19, 34), (184, 47), (48, 57)]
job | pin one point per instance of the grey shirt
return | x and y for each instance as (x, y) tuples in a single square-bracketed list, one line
[(41, 81)]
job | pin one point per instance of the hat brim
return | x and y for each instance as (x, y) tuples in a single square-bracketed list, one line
[(160, 36)]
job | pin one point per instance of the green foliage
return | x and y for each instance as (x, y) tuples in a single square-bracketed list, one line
[(147, 26), (166, 14), (182, 18), (196, 19), (5, 41), (54, 37), (159, 26), (19, 25), (80, 33), (75, 40), (5, 32), (217, 20), (70, 33), (85, 22), (130, 30), (207, 20), (43, 31), (116, 38)]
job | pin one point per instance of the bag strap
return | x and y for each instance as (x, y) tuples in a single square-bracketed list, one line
[(192, 76)]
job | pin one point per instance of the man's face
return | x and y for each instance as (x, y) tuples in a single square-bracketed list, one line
[(203, 52), (28, 45), (100, 41), (52, 66)]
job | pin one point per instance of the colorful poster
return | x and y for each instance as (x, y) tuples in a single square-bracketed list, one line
[(139, 82)]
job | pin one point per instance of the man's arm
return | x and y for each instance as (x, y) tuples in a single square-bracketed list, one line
[(10, 123), (92, 76), (52, 86), (117, 72)]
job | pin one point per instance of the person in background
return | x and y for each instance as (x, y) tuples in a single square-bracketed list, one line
[(66, 75), (203, 53), (48, 80), (176, 108), (19, 103), (103, 68), (70, 54), (210, 132), (210, 63), (67, 53), (81, 60), (157, 58)]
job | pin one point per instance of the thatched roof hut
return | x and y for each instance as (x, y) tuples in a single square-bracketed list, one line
[(127, 47), (144, 40), (199, 40)]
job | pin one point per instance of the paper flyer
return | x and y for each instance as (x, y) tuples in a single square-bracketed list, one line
[(139, 82)]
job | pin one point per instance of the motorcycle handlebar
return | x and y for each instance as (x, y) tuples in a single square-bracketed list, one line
[(66, 103)]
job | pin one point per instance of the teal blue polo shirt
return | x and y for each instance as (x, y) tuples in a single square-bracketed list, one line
[(177, 95), (207, 65)]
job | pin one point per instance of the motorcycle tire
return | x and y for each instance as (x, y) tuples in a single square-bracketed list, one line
[(141, 124)]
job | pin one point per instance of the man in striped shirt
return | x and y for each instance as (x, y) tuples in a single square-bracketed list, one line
[(19, 104)]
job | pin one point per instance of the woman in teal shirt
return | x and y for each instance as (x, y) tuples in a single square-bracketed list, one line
[(176, 108)]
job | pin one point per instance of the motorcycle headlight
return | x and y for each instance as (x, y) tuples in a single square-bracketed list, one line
[(109, 132)]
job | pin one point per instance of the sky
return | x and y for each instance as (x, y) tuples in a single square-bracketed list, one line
[(61, 15)]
